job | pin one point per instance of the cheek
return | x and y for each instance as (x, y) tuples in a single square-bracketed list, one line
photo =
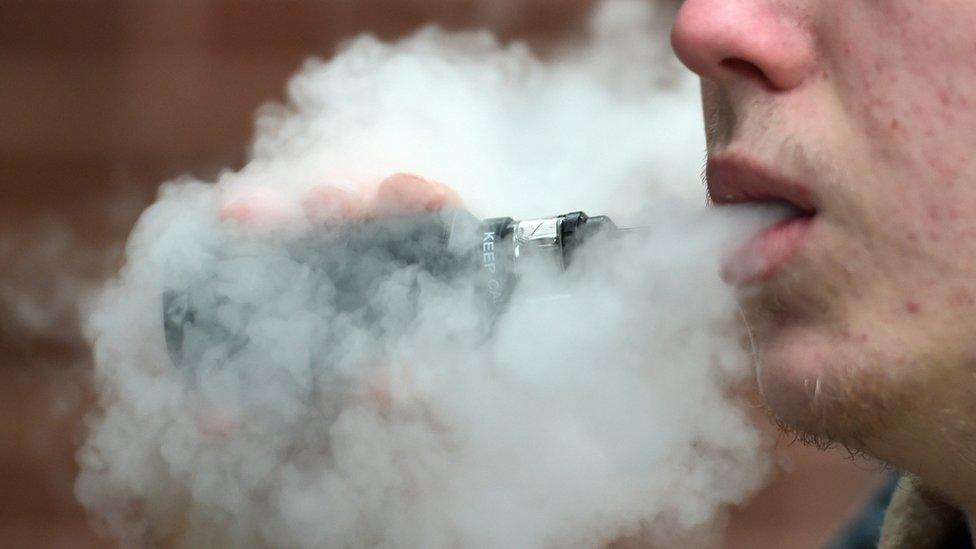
[(908, 86)]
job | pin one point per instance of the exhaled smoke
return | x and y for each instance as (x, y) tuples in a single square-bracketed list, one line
[(339, 397), (47, 274)]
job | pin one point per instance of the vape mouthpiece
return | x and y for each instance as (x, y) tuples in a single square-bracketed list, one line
[(493, 254)]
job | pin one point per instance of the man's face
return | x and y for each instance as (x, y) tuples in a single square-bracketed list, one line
[(863, 112)]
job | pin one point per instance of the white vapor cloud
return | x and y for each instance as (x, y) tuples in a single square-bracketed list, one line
[(399, 416)]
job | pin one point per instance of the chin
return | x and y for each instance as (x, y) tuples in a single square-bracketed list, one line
[(828, 386), (791, 369)]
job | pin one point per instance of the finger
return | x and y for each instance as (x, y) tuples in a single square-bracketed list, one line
[(256, 207), (405, 193), (327, 205)]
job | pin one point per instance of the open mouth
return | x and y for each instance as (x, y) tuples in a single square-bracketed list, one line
[(733, 180), (766, 253)]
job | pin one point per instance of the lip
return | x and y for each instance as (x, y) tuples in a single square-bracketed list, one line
[(766, 253), (735, 179)]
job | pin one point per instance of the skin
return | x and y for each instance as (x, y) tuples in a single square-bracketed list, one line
[(865, 337)]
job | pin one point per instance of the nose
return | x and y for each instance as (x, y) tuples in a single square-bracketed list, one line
[(759, 40)]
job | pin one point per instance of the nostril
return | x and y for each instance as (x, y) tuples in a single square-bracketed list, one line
[(746, 69)]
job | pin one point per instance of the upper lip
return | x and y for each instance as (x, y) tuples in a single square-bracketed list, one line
[(734, 179)]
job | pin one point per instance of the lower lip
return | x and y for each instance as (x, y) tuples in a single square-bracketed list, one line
[(766, 253)]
